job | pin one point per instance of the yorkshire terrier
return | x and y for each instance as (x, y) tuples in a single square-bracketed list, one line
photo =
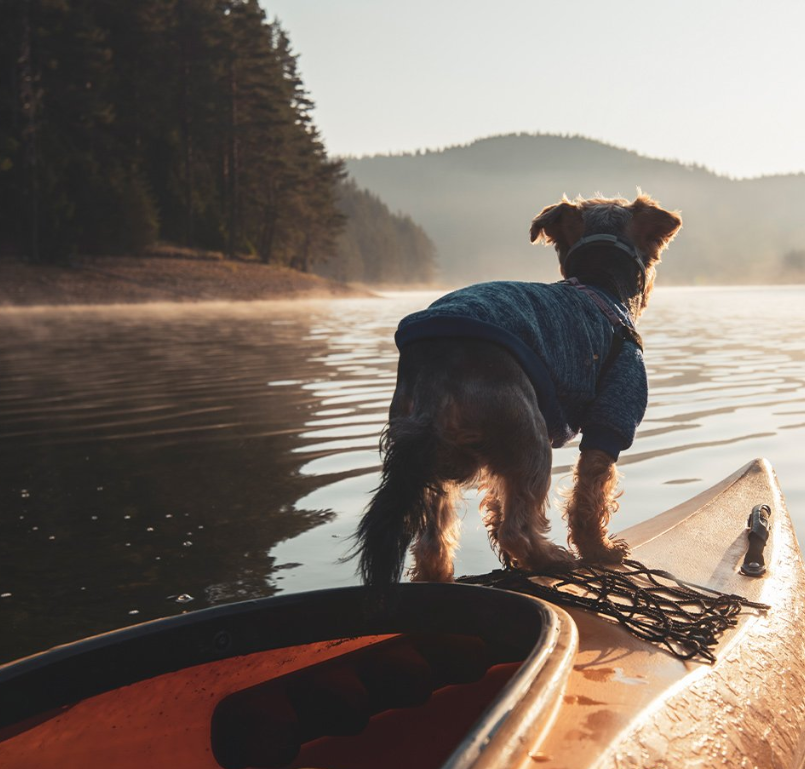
[(493, 376)]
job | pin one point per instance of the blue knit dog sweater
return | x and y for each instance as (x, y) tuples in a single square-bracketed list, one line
[(561, 339)]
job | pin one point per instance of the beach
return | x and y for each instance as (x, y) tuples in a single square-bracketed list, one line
[(172, 275)]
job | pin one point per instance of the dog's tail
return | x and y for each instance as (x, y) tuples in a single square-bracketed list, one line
[(398, 512)]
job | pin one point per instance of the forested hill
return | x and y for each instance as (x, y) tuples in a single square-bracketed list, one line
[(182, 120), (477, 201), (378, 246)]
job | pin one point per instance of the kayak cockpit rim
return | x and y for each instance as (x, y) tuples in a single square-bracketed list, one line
[(544, 639)]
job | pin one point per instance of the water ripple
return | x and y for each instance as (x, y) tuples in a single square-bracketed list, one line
[(255, 428)]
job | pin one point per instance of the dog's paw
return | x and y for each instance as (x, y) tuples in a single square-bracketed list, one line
[(548, 560), (609, 551), (566, 562), (433, 575), (621, 546)]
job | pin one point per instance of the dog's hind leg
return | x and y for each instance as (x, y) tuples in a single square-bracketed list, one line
[(491, 507), (523, 482), (434, 547), (522, 535)]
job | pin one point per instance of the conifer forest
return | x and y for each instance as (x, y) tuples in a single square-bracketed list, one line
[(185, 121)]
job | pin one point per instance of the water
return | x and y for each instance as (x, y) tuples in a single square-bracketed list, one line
[(160, 459)]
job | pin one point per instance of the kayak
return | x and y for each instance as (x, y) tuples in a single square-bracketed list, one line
[(443, 675)]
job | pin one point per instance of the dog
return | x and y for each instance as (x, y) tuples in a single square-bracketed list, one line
[(493, 376)]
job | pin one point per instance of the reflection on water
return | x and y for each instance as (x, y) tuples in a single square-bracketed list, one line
[(224, 451)]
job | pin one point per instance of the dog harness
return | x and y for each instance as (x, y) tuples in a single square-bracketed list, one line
[(575, 342), (621, 330)]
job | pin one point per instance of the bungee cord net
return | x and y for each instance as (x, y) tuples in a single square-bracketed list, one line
[(652, 604)]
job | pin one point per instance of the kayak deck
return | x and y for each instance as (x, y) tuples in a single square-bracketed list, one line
[(629, 704)]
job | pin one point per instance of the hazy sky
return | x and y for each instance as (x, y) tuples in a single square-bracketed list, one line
[(715, 82)]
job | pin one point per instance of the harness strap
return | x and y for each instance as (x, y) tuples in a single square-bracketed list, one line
[(621, 330), (614, 351)]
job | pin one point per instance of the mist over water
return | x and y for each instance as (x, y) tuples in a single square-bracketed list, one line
[(225, 451)]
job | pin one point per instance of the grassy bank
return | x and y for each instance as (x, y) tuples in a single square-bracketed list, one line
[(166, 274)]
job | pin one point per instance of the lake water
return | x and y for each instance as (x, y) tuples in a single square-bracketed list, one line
[(225, 451)]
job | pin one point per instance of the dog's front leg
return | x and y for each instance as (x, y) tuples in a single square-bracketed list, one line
[(592, 501)]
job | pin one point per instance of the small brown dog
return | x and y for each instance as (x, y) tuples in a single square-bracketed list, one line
[(493, 376)]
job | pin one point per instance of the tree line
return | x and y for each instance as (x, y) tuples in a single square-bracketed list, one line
[(182, 120)]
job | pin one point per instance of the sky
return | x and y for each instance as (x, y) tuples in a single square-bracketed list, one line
[(713, 82)]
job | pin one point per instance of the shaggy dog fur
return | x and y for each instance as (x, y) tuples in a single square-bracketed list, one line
[(465, 412)]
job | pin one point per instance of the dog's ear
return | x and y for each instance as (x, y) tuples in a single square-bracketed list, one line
[(560, 224), (652, 228)]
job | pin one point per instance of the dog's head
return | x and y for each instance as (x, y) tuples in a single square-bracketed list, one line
[(642, 225)]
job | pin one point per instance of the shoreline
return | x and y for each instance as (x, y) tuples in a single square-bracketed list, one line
[(168, 276)]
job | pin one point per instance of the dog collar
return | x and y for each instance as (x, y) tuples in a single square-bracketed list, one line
[(616, 242)]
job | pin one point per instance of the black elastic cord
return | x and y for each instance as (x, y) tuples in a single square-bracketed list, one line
[(651, 604)]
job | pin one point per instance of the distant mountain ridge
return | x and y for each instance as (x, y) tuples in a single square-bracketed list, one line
[(476, 202)]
